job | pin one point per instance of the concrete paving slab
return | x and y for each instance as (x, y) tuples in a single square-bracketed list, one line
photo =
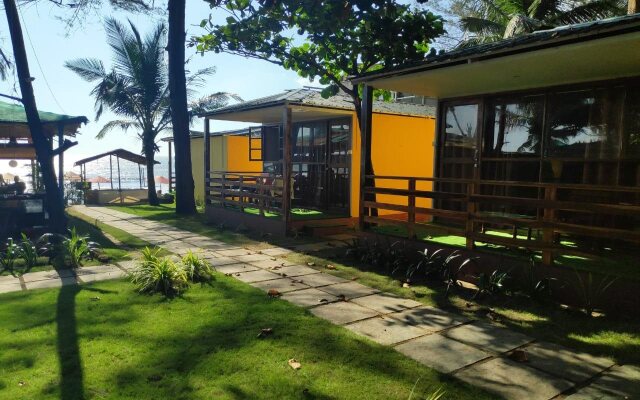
[(7, 287), (309, 297), (321, 279), (275, 251), (622, 381), (252, 257), (266, 264), (256, 276), (97, 269), (235, 268), (8, 279), (219, 261), (350, 290), (343, 312), (593, 393), (47, 275), (430, 318), (282, 285), (440, 353), (513, 381), (128, 264), (233, 252), (385, 330), (489, 337), (297, 270), (385, 303), (51, 283), (565, 363), (102, 276)]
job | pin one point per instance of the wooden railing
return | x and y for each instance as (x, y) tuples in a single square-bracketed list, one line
[(468, 207), (241, 190)]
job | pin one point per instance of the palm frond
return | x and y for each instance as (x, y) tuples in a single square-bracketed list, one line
[(124, 125), (481, 26), (88, 69), (212, 102), (590, 11)]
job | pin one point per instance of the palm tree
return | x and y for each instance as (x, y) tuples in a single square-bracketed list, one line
[(488, 20)]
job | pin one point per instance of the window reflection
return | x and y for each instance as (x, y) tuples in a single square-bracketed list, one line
[(515, 127)]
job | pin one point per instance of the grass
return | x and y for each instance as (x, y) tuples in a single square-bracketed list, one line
[(617, 337), (105, 341)]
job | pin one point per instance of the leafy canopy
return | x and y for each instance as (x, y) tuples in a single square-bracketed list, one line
[(329, 39)]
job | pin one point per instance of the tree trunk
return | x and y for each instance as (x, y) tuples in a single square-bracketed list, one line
[(149, 152), (42, 145), (357, 102), (185, 201), (632, 7)]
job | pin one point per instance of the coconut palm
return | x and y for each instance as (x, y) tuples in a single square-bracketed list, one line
[(136, 88), (488, 20)]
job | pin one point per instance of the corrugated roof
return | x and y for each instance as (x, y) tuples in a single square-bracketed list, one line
[(313, 98), (562, 35), (14, 117)]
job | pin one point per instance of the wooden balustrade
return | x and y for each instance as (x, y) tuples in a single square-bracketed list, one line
[(241, 190), (576, 211)]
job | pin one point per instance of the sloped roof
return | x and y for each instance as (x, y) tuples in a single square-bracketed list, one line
[(313, 98), (120, 153), (13, 121), (540, 39)]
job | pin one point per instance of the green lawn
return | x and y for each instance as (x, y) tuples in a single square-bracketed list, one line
[(617, 337), (104, 341)]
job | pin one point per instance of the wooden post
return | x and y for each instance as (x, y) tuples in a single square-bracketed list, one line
[(61, 160), (412, 208), (286, 166), (632, 7), (170, 167), (471, 210), (111, 170), (140, 175), (548, 216), (207, 163), (365, 149), (119, 183)]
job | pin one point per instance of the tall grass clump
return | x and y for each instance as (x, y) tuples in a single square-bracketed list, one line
[(160, 276), (198, 269)]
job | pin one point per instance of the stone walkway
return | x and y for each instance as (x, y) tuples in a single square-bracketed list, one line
[(473, 351)]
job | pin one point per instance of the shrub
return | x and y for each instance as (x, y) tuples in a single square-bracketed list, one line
[(9, 256), (78, 248), (197, 268), (28, 252), (150, 256), (160, 275)]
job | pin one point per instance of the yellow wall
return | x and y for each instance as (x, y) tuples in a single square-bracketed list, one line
[(228, 153), (402, 146)]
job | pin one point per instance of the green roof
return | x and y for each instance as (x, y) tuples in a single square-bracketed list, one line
[(14, 116)]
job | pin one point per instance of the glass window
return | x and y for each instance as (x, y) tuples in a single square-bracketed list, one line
[(515, 127), (585, 123), (461, 130), (631, 137)]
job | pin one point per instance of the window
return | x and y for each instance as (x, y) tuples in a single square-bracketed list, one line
[(514, 127)]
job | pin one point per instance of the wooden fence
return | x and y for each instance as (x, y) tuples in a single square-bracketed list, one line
[(467, 207), (241, 190)]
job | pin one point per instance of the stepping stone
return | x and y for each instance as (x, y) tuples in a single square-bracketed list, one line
[(8, 280), (513, 381), (565, 363), (282, 285), (385, 330), (386, 303), (275, 251), (129, 264), (591, 393), (233, 252), (98, 269), (321, 279), (440, 353), (489, 337), (102, 276), (621, 382), (342, 312), (309, 297), (46, 275), (430, 318), (297, 270), (10, 286), (218, 261), (350, 290), (51, 283), (235, 268), (252, 257), (266, 264), (256, 276)]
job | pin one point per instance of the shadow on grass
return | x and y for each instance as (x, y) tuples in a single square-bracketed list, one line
[(71, 381)]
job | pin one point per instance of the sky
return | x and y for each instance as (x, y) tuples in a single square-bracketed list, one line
[(50, 44)]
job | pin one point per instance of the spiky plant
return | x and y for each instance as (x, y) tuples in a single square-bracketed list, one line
[(162, 276), (198, 269)]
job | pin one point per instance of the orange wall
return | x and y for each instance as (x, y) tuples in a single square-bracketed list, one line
[(402, 146), (238, 155)]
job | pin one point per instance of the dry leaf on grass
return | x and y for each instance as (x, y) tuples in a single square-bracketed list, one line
[(274, 293), (311, 264), (264, 332), (406, 285), (519, 355), (329, 266), (293, 363)]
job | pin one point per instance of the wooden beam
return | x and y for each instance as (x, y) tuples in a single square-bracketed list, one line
[(632, 7), (286, 166), (207, 160), (365, 150)]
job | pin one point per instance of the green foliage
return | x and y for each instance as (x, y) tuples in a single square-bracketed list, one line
[(28, 252), (331, 41), (591, 290), (159, 275), (9, 256), (77, 248), (198, 269), (495, 283), (532, 284)]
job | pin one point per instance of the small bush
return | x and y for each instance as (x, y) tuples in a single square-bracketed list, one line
[(9, 255), (159, 275), (198, 270), (77, 248), (28, 252)]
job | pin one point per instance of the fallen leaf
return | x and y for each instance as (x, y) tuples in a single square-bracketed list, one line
[(323, 301), (283, 274), (311, 264), (519, 356), (264, 332), (342, 297), (274, 293), (96, 298), (355, 278), (228, 274), (293, 363), (273, 258), (405, 285), (22, 383), (329, 266)]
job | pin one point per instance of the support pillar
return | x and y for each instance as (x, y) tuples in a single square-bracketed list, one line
[(207, 161), (365, 150), (60, 160), (111, 171), (286, 167), (170, 167), (119, 183)]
